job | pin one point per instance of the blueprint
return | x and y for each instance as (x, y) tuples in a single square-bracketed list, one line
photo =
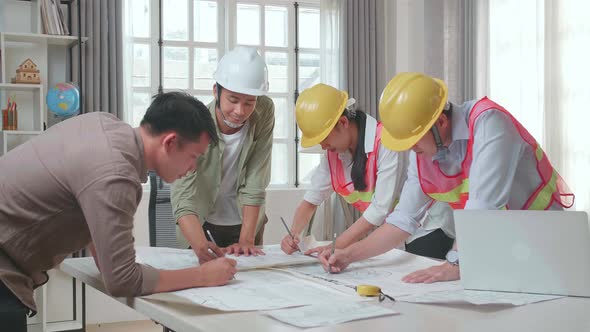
[(384, 271), (166, 258), (274, 257), (264, 290), (174, 259)]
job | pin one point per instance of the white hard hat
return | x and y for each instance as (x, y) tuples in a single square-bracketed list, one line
[(243, 70)]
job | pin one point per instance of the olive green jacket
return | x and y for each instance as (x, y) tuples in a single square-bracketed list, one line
[(195, 193)]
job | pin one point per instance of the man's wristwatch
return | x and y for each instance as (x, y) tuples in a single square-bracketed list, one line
[(453, 257)]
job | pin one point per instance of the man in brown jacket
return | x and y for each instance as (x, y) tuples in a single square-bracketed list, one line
[(78, 185)]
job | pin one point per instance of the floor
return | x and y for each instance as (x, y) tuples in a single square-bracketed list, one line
[(135, 326)]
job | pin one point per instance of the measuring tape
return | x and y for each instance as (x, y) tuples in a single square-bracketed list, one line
[(370, 291)]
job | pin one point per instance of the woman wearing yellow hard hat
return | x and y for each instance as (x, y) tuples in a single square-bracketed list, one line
[(473, 156), (356, 165)]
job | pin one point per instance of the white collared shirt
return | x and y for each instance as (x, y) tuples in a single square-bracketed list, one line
[(503, 168), (391, 174)]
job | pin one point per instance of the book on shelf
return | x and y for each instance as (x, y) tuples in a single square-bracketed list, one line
[(52, 18)]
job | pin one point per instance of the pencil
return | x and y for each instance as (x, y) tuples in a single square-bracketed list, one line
[(289, 231), (333, 248), (215, 243)]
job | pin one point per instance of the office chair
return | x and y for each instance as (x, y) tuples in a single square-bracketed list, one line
[(162, 225)]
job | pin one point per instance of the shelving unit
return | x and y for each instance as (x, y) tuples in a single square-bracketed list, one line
[(31, 111), (15, 47), (67, 41), (21, 38), (19, 87)]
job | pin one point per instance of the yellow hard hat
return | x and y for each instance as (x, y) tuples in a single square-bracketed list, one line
[(317, 110), (409, 106)]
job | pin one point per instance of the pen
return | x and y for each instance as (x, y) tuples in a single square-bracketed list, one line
[(215, 243), (333, 248), (212, 240), (289, 231)]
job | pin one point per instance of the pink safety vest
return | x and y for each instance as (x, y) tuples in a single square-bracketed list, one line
[(359, 199), (455, 189)]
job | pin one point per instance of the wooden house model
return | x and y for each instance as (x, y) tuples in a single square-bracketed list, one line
[(27, 73)]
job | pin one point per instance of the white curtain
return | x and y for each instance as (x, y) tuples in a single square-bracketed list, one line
[(332, 51), (127, 60), (566, 111), (336, 215), (537, 67), (516, 49), (332, 43)]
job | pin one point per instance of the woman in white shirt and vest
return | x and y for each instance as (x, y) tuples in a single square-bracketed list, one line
[(356, 166)]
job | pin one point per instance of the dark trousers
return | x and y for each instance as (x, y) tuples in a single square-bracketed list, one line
[(434, 245), (13, 314), (228, 235)]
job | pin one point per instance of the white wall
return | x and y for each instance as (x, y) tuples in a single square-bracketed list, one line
[(15, 16), (413, 37), (280, 203)]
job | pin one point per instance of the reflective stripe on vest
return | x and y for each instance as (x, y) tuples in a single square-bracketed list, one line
[(455, 189), (359, 199), (451, 196)]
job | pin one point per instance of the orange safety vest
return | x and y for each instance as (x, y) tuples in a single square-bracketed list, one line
[(455, 189), (359, 199)]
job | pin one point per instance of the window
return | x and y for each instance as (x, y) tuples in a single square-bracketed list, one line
[(516, 47), (537, 65), (140, 48), (194, 35), (309, 74)]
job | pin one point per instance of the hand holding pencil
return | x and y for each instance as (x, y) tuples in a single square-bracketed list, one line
[(290, 243), (335, 260)]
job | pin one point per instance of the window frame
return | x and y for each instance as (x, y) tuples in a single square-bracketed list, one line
[(226, 40), (289, 141), (191, 44)]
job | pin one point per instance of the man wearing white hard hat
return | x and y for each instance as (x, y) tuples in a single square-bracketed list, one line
[(221, 204)]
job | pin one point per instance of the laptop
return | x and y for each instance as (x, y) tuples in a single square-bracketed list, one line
[(541, 252)]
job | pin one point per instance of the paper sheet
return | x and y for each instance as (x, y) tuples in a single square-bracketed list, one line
[(329, 314), (264, 290), (274, 257), (385, 271), (166, 258), (478, 297), (173, 259)]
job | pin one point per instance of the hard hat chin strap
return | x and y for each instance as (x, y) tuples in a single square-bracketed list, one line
[(441, 150), (218, 100)]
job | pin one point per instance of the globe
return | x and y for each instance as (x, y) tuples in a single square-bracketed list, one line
[(63, 100)]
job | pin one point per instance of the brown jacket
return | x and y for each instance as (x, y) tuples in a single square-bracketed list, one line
[(80, 181)]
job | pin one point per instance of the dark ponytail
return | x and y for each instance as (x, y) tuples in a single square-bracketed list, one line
[(359, 159)]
